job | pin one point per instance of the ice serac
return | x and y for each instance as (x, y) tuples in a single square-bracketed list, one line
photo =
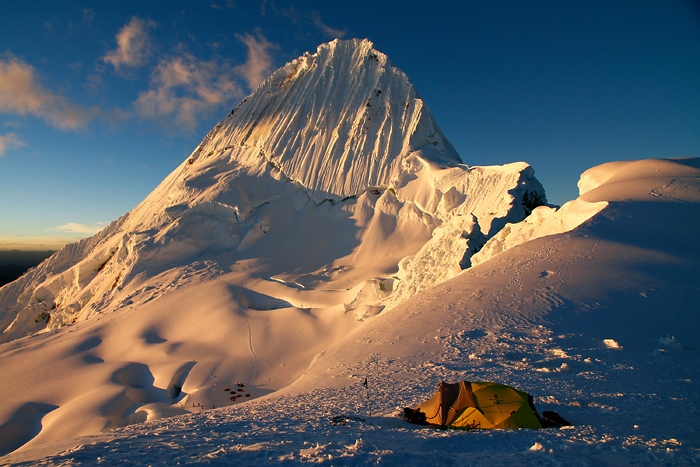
[(330, 187), (612, 182)]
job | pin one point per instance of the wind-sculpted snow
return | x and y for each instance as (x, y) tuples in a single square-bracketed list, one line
[(613, 182), (27, 303), (250, 274), (326, 231)]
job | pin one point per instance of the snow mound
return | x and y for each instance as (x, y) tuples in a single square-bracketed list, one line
[(637, 180)]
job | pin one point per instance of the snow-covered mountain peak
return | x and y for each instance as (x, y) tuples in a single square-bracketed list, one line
[(338, 122), (332, 175)]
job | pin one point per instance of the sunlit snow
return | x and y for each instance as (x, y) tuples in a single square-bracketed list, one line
[(326, 232)]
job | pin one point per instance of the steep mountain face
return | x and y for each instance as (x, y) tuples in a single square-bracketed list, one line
[(332, 175), (336, 122)]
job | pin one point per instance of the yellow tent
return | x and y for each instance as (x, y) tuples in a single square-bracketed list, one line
[(485, 405)]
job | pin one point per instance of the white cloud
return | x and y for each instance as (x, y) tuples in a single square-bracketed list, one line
[(133, 45), (21, 93), (329, 31), (74, 227), (9, 141), (184, 88), (258, 65)]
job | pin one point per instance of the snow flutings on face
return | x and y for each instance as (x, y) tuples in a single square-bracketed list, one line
[(133, 45), (184, 88), (22, 94)]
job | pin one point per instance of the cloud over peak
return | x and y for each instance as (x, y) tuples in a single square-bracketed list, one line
[(258, 65), (73, 227), (333, 33), (133, 45), (184, 88)]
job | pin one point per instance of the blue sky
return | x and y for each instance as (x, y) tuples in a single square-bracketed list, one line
[(99, 101)]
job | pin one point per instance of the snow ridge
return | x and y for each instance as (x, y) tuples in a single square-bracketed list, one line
[(31, 292)]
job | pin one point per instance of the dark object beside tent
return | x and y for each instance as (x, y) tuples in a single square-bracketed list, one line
[(480, 405), (552, 419)]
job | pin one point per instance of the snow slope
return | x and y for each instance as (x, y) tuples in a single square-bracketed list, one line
[(598, 323)]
